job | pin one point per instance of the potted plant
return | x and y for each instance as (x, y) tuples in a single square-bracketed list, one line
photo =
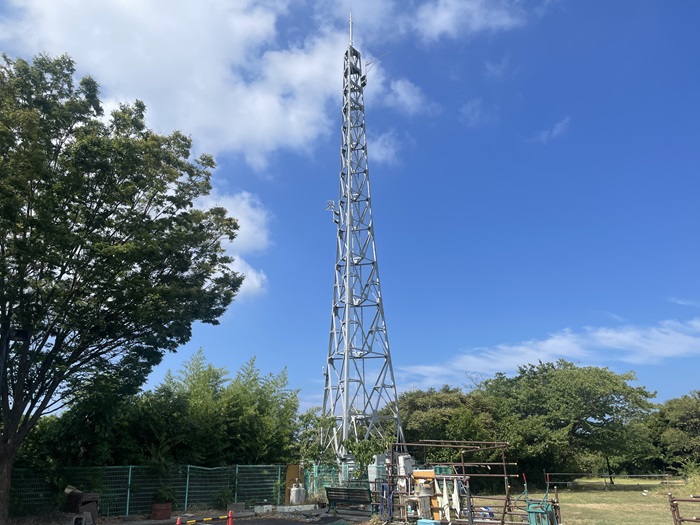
[(162, 506)]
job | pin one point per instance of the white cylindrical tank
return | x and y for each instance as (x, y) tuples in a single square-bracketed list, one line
[(297, 494)]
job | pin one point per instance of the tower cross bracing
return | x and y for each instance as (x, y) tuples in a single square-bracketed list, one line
[(360, 391)]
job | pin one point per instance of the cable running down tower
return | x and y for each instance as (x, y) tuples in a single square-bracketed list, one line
[(359, 377)]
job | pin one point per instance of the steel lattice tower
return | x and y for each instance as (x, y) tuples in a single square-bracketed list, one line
[(359, 375)]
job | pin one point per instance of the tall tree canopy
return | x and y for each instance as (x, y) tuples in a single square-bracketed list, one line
[(105, 263), (260, 417), (553, 413), (676, 431), (447, 413)]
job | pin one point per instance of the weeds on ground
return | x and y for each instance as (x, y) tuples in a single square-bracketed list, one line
[(375, 519), (692, 484)]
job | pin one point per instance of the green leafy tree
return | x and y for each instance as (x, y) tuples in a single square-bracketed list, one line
[(676, 430), (104, 260), (195, 416), (639, 455), (443, 414), (364, 450), (307, 445), (157, 433), (202, 385), (446, 413), (83, 435), (553, 413), (38, 451), (151, 428), (260, 414)]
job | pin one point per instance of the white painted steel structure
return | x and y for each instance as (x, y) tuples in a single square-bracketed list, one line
[(359, 377)]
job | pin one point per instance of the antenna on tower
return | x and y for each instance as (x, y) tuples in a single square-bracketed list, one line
[(350, 27), (369, 65)]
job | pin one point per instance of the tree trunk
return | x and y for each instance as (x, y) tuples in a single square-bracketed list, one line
[(7, 459), (607, 461)]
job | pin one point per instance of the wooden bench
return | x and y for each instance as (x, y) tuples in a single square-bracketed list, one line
[(349, 497)]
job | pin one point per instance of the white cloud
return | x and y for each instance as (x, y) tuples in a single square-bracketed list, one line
[(615, 317), (644, 345), (255, 281), (408, 98), (222, 72), (684, 302), (454, 18), (560, 127), (473, 113), (371, 18), (430, 20), (384, 148), (596, 345), (253, 234), (555, 131), (544, 7), (253, 219), (286, 108), (212, 68), (496, 69)]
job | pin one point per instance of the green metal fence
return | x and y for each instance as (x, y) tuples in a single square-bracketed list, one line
[(318, 477), (129, 491)]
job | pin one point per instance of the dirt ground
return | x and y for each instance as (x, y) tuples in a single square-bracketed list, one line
[(57, 518), (62, 518)]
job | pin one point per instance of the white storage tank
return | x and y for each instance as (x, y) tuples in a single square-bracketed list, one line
[(297, 495)]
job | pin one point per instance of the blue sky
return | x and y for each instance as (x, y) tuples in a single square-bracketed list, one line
[(534, 169)]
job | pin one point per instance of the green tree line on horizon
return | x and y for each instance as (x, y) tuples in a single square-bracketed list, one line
[(556, 417)]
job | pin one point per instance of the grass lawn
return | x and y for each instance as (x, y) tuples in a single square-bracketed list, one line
[(618, 507), (624, 503)]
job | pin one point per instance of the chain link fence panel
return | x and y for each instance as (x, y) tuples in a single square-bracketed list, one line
[(129, 490)]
